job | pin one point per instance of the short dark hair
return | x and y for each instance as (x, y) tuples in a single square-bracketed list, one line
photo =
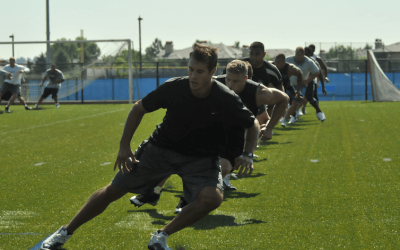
[(257, 45), (280, 56), (237, 67), (308, 50), (206, 54), (249, 70), (312, 46)]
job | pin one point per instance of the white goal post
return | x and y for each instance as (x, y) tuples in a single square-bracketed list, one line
[(128, 41), (383, 90)]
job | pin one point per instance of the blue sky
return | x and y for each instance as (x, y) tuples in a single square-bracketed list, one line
[(278, 24)]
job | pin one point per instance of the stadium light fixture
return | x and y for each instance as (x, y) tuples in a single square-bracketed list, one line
[(12, 36)]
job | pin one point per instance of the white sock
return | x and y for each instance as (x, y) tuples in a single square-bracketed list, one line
[(157, 190)]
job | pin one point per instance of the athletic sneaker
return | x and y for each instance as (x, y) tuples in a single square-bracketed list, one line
[(158, 241), (8, 110), (293, 119), (321, 116), (327, 79), (299, 113), (227, 184), (255, 156), (56, 240), (150, 198), (181, 205), (57, 105), (28, 108), (283, 123), (36, 106)]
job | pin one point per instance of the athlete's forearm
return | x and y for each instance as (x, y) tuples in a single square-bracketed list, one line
[(312, 77), (132, 123), (252, 137), (278, 112)]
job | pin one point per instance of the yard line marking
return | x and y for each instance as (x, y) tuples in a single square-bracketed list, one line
[(40, 163), (387, 159), (49, 124), (106, 163), (314, 160)]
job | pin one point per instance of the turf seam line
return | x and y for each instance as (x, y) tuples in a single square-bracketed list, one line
[(49, 124)]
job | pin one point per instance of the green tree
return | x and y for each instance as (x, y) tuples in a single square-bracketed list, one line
[(91, 51), (40, 65), (153, 50), (341, 52), (62, 61), (70, 49)]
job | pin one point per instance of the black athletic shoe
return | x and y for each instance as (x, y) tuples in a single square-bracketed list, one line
[(28, 108), (182, 203), (150, 198)]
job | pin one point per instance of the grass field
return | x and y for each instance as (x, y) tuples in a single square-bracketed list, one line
[(331, 185)]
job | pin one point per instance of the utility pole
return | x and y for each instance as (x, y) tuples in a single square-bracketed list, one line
[(48, 54), (12, 36), (140, 46)]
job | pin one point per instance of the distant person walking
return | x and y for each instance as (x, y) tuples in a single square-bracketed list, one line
[(55, 77)]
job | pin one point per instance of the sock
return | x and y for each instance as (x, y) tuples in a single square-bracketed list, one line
[(157, 190), (26, 105)]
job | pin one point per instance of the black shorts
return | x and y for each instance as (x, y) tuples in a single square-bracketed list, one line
[(156, 163), (233, 147), (49, 91)]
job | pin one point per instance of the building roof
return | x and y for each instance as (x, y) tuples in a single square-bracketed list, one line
[(390, 48)]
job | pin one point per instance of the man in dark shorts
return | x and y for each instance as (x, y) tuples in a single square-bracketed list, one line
[(253, 95), (55, 77), (4, 75), (288, 70), (186, 143), (7, 96)]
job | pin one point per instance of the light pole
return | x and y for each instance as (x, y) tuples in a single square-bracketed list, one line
[(48, 53), (12, 36), (140, 46)]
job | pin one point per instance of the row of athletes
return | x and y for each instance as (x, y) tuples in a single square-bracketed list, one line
[(201, 147), (12, 77)]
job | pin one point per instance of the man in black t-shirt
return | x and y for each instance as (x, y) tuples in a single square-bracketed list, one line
[(185, 143)]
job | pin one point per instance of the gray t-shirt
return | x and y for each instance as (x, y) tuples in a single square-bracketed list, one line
[(55, 76), (307, 67), (3, 75)]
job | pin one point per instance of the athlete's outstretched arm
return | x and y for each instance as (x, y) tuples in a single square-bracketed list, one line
[(132, 123), (245, 163), (294, 71), (323, 66), (275, 97)]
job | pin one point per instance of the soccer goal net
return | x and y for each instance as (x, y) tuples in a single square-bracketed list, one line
[(383, 90), (94, 70)]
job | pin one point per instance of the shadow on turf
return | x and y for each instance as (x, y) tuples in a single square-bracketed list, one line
[(207, 223), (238, 195)]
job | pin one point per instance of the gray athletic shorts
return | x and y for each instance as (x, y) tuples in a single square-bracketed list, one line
[(156, 163), (9, 87)]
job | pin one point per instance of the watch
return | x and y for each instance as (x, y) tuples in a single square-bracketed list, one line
[(247, 154)]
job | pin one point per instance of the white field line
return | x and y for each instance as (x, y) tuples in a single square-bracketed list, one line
[(49, 124)]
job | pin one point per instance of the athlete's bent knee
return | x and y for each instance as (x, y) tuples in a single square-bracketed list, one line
[(210, 197)]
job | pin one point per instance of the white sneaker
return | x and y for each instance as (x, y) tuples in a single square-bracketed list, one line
[(36, 106), (321, 116), (56, 240), (158, 241), (293, 119), (283, 123), (227, 184), (57, 105), (299, 113)]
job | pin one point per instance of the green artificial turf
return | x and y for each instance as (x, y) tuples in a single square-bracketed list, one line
[(316, 185)]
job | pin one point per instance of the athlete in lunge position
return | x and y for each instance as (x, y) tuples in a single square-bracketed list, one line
[(288, 70), (310, 71), (186, 143), (253, 95), (55, 77)]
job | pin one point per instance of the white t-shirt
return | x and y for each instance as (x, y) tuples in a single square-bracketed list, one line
[(307, 67), (55, 76), (15, 74)]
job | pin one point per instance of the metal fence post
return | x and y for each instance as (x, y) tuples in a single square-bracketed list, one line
[(366, 80), (352, 93), (82, 87), (158, 76), (76, 88), (112, 87)]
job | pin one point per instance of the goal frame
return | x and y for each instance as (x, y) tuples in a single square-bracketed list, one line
[(130, 74)]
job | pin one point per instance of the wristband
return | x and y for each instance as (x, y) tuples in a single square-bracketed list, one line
[(247, 154)]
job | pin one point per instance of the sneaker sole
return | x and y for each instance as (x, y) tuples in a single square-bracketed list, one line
[(138, 205)]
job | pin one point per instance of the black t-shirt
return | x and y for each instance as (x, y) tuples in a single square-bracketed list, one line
[(285, 77), (195, 126), (248, 95), (267, 74)]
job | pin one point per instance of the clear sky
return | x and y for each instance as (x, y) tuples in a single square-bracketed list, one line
[(278, 24)]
